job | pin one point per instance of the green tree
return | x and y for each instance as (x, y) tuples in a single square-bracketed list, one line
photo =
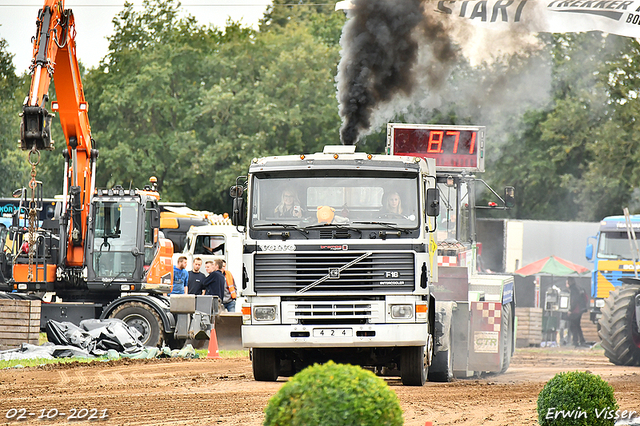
[(14, 169)]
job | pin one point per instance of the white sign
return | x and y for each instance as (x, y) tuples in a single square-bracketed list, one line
[(486, 342), (553, 16)]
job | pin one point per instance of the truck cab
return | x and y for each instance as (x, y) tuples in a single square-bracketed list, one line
[(613, 259), (335, 270)]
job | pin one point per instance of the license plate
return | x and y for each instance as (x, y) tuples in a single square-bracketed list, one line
[(332, 332)]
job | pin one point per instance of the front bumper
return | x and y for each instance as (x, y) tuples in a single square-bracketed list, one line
[(334, 336)]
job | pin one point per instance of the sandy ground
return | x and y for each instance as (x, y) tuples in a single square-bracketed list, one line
[(223, 392)]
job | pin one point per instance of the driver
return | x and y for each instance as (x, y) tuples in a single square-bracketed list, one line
[(289, 205)]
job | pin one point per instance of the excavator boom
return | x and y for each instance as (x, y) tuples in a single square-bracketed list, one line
[(54, 57)]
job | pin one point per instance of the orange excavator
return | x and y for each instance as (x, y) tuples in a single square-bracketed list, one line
[(102, 255)]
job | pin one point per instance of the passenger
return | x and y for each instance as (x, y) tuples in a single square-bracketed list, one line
[(392, 203), (289, 205)]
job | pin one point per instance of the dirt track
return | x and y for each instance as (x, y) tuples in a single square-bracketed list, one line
[(212, 392)]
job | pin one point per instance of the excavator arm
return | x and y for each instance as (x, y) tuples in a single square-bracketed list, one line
[(54, 57)]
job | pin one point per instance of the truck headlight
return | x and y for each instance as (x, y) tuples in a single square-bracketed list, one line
[(401, 311), (264, 313), (599, 303)]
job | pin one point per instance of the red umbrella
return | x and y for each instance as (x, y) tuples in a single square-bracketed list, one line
[(552, 266)]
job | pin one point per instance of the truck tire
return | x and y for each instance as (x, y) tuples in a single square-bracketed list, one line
[(618, 330), (506, 330), (441, 369), (413, 366), (265, 365), (143, 318)]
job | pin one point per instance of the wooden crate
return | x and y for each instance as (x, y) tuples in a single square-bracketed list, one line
[(19, 323), (529, 332)]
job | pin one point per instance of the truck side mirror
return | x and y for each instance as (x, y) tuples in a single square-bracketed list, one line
[(589, 252), (155, 219), (433, 202), (238, 216), (236, 191), (509, 196)]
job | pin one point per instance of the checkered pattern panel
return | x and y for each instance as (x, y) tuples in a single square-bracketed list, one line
[(447, 261), (491, 314)]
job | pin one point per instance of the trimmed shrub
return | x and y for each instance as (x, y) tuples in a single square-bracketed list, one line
[(577, 398), (334, 394)]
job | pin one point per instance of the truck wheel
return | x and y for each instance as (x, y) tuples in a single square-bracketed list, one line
[(618, 329), (413, 366), (265, 365), (143, 318), (505, 329), (441, 369)]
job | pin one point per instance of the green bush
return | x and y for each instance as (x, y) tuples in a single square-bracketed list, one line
[(334, 394), (576, 398)]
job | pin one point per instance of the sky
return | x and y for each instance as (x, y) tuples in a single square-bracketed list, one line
[(93, 23)]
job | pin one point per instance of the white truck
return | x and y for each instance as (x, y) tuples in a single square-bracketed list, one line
[(338, 275)]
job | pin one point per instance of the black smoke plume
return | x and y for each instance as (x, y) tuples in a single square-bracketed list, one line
[(380, 48)]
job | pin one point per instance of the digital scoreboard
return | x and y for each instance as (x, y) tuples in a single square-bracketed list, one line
[(455, 148)]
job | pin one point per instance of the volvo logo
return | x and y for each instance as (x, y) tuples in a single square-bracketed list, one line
[(334, 273)]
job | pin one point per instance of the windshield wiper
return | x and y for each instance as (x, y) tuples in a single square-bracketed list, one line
[(336, 225), (385, 224)]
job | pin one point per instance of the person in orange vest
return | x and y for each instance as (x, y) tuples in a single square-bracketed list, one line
[(230, 295)]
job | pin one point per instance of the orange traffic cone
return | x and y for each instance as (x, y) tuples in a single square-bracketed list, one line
[(213, 346)]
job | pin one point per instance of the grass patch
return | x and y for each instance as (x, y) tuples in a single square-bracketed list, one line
[(41, 361), (202, 353)]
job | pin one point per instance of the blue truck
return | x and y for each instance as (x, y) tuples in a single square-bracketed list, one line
[(615, 288)]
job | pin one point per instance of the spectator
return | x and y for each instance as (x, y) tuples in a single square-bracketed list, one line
[(230, 294), (577, 306), (214, 283), (195, 284), (180, 276)]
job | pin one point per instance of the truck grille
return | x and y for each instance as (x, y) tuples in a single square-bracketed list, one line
[(329, 313), (291, 272)]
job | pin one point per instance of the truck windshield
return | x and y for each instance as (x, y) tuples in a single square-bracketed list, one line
[(614, 245), (356, 201), (116, 230)]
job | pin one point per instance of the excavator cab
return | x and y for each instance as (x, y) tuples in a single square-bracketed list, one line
[(123, 245)]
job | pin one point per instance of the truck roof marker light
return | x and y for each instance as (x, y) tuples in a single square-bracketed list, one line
[(302, 157), (369, 156), (255, 160), (335, 156)]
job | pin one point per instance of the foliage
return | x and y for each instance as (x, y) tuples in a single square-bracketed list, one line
[(193, 105), (582, 397), (334, 394), (14, 169)]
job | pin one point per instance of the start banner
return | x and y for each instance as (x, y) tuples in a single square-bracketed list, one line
[(552, 16)]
